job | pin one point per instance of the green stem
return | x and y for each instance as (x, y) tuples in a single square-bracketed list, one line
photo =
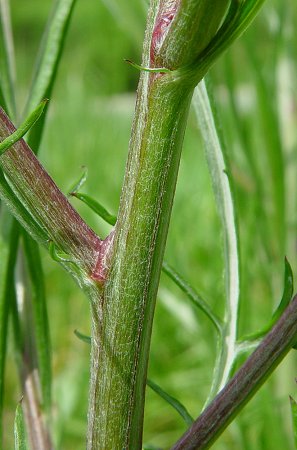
[(131, 288)]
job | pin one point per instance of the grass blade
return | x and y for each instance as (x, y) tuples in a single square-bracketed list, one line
[(294, 419), (8, 246), (50, 51), (7, 60), (19, 429), (182, 411), (47, 62), (288, 291), (217, 162), (267, 95), (195, 298), (41, 325)]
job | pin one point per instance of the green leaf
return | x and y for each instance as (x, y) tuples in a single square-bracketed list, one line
[(82, 337), (96, 207), (195, 298), (287, 293), (8, 246), (19, 429), (47, 62), (79, 183), (285, 300), (217, 160), (182, 411), (23, 128), (7, 61), (40, 317), (240, 15), (267, 91)]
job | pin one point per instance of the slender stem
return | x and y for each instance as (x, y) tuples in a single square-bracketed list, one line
[(46, 206), (218, 167), (249, 378)]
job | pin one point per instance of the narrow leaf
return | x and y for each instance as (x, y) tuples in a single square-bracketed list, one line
[(287, 293), (41, 325), (96, 207), (179, 407), (23, 128), (82, 337), (221, 181), (195, 298), (240, 16), (47, 62), (7, 60), (8, 246), (285, 300), (19, 429), (294, 419), (80, 182), (49, 53)]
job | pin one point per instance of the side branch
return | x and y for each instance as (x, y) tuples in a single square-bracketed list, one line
[(46, 209), (249, 378)]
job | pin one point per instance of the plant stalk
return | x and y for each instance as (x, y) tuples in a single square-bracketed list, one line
[(122, 322), (246, 382)]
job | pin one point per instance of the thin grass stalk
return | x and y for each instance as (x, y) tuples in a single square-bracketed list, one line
[(8, 242), (7, 60), (245, 383), (221, 180)]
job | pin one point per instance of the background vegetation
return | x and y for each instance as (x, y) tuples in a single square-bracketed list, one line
[(91, 110)]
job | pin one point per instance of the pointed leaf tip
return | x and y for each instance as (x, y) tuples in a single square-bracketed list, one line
[(23, 128)]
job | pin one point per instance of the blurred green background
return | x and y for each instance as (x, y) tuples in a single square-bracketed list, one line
[(89, 123)]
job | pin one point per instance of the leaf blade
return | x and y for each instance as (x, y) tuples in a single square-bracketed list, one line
[(222, 186), (7, 60), (19, 429), (176, 404), (41, 324)]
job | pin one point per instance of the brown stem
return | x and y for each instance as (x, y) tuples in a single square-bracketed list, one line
[(48, 207), (39, 436), (212, 422)]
